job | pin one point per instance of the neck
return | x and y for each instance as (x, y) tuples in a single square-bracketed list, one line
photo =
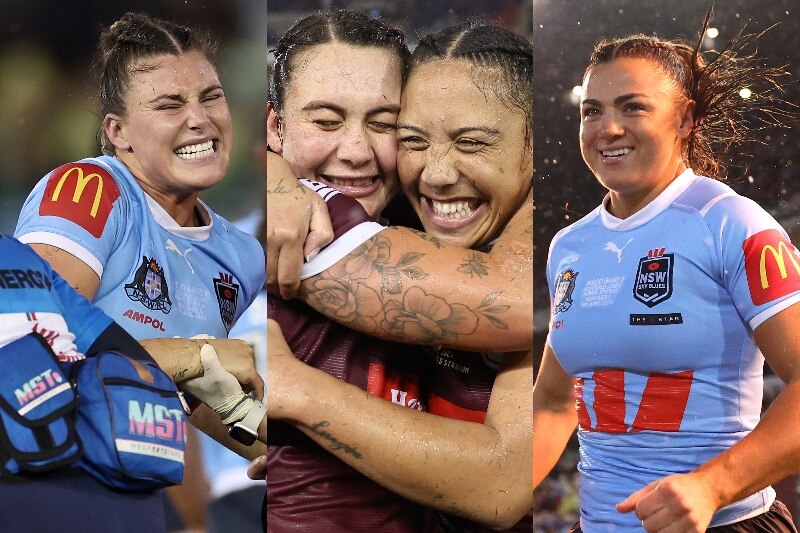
[(181, 206), (623, 204)]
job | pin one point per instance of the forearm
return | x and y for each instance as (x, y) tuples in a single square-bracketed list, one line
[(746, 467), (179, 358), (554, 416), (480, 472), (405, 286), (551, 432)]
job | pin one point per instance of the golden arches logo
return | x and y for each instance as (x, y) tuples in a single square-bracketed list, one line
[(80, 185), (779, 257)]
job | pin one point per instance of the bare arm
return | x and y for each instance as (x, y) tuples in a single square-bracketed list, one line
[(554, 417), (404, 286), (478, 471)]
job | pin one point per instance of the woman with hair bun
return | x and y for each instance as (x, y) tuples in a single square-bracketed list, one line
[(696, 283), (128, 231)]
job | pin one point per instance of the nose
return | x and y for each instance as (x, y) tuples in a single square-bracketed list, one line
[(440, 169), (611, 126), (197, 118), (354, 147)]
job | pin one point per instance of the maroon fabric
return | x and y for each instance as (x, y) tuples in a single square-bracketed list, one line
[(776, 520)]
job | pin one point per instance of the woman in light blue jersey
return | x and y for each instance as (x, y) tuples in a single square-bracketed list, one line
[(663, 300), (127, 228)]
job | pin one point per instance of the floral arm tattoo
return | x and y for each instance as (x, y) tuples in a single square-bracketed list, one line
[(404, 285)]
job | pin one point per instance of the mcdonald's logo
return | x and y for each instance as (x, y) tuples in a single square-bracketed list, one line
[(771, 265), (81, 192)]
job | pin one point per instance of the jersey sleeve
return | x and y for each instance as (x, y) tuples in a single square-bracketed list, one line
[(760, 265), (352, 227), (84, 320), (76, 208)]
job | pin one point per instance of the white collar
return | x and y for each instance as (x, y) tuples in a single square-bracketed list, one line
[(168, 223), (648, 212)]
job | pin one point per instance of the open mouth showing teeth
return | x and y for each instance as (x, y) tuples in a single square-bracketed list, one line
[(616, 153), (196, 151), (359, 182), (455, 210)]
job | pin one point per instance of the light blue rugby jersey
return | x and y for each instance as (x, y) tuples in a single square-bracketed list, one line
[(655, 316), (158, 279), (34, 298)]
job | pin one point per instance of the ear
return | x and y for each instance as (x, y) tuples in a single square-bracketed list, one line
[(274, 130), (116, 132), (686, 124)]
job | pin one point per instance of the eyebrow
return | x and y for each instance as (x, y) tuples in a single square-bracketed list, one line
[(459, 131), (180, 98), (618, 100), (321, 104)]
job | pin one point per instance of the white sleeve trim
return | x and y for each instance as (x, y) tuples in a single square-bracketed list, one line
[(706, 208), (331, 254), (761, 317), (72, 247)]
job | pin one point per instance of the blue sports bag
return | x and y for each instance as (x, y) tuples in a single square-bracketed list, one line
[(133, 430), (37, 404)]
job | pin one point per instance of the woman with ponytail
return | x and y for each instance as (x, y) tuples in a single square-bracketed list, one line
[(696, 282)]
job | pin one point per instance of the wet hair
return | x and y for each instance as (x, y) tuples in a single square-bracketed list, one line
[(722, 118), (490, 47), (126, 44), (340, 26)]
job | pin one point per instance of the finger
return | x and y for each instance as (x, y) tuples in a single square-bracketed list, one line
[(659, 519), (256, 385), (629, 504), (290, 263), (320, 231), (144, 373), (258, 468), (209, 358)]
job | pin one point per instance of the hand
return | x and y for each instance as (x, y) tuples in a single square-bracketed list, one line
[(258, 468), (298, 227), (219, 389), (674, 504), (237, 357)]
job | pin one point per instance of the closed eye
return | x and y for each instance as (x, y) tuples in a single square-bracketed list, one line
[(413, 142)]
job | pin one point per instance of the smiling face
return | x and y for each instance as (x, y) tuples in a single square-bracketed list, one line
[(338, 120), (633, 126), (175, 134), (464, 161)]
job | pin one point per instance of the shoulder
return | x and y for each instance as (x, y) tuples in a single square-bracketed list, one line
[(722, 207), (586, 223)]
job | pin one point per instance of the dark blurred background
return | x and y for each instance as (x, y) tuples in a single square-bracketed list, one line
[(48, 106)]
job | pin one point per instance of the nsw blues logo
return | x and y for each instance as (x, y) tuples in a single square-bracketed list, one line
[(653, 283), (227, 293), (565, 286), (149, 286)]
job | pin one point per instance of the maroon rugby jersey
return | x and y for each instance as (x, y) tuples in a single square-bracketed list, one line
[(309, 489)]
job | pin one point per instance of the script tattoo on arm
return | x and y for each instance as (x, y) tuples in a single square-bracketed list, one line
[(335, 444), (287, 186), (400, 308)]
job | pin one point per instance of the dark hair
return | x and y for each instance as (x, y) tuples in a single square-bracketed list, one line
[(133, 38), (491, 47), (340, 26), (722, 118)]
